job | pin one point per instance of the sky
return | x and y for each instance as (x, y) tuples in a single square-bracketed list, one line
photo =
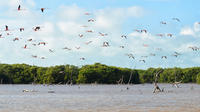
[(62, 22)]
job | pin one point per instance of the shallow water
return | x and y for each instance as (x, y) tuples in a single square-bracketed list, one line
[(100, 98)]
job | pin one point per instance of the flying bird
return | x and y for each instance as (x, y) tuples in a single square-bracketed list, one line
[(87, 13), (6, 28), (34, 56), (164, 57), (144, 56), (50, 50), (15, 39), (37, 28), (145, 45), (91, 20), (103, 34), (67, 48), (145, 31), (130, 56), (42, 58), (106, 44), (78, 48), (124, 36), (176, 19), (29, 40), (89, 31), (80, 35), (121, 47), (162, 22), (160, 35), (1, 36), (19, 8), (88, 42), (40, 43), (82, 58), (152, 54), (42, 9), (142, 61), (25, 46), (169, 35), (21, 29), (194, 48)]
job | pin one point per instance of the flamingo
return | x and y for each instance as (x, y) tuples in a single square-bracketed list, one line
[(121, 47), (160, 35), (103, 34), (6, 28), (34, 56), (67, 48), (88, 42), (80, 35), (162, 22), (142, 61), (124, 36), (15, 39), (91, 20), (176, 19), (44, 43), (169, 35), (87, 13), (37, 28), (105, 44), (50, 50), (82, 58), (78, 47), (130, 56), (145, 45), (19, 8), (21, 29), (25, 46), (164, 57), (89, 31)]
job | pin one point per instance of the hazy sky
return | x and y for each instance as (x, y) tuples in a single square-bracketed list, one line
[(62, 21)]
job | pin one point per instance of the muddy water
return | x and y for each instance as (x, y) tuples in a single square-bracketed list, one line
[(99, 98)]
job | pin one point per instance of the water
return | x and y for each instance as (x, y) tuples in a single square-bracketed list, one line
[(99, 98)]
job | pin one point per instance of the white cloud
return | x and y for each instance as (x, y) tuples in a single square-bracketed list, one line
[(69, 28), (72, 12), (112, 18), (10, 3), (31, 3), (187, 31), (135, 11), (191, 31)]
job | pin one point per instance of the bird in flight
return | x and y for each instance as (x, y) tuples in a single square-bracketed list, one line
[(169, 35), (124, 36), (67, 48), (91, 20), (106, 44), (15, 39), (162, 22), (21, 29), (42, 9), (164, 57), (142, 61), (130, 56), (82, 58), (103, 34), (37, 28), (19, 8), (88, 42), (176, 19)]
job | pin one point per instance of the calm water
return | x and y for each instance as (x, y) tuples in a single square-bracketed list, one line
[(99, 98)]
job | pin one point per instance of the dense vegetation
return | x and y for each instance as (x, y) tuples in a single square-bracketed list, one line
[(96, 73)]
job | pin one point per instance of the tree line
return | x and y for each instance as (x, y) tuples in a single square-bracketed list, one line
[(95, 73)]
